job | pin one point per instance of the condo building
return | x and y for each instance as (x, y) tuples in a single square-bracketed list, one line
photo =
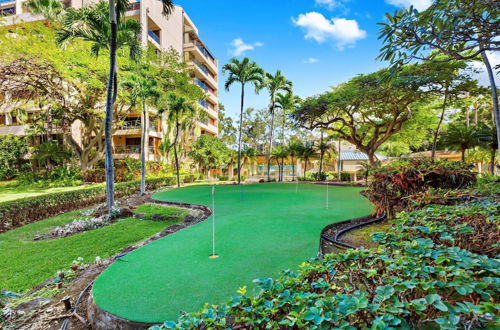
[(176, 31)]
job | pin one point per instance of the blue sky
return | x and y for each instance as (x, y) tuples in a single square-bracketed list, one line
[(316, 43)]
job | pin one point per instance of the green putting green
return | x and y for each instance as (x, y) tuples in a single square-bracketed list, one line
[(260, 231)]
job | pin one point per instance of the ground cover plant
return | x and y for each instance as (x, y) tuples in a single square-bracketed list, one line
[(152, 211), (25, 262), (424, 274), (260, 229)]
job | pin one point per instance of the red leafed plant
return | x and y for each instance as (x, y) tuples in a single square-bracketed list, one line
[(393, 184)]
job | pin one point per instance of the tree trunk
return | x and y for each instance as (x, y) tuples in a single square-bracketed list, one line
[(305, 168), (321, 153), (270, 144), (175, 152), (293, 169), (144, 145), (492, 161), (239, 137), (494, 96), (283, 130), (371, 157), (108, 121), (438, 128), (463, 154)]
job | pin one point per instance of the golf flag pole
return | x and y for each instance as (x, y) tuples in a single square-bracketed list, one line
[(213, 255)]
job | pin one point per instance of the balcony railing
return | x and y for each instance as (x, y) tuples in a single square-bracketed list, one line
[(205, 87), (135, 124), (202, 67), (131, 149), (204, 51), (154, 36)]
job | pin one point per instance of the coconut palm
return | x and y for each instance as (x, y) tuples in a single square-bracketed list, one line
[(244, 72), (104, 28), (180, 111), (487, 136), (460, 136), (141, 89), (274, 84), (280, 153), (51, 10), (248, 156), (306, 154), (294, 150), (286, 102)]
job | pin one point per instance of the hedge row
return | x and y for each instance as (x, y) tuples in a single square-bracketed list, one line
[(418, 278), (20, 212)]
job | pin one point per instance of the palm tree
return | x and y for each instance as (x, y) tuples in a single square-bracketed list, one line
[(294, 150), (306, 154), (274, 84), (248, 156), (51, 10), (244, 72), (106, 31), (460, 136), (487, 136), (142, 88), (280, 153), (286, 102), (180, 111)]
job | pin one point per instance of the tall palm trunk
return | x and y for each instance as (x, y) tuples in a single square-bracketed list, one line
[(144, 145), (438, 128), (175, 152), (494, 96), (270, 143), (321, 154), (239, 137), (110, 98), (283, 129)]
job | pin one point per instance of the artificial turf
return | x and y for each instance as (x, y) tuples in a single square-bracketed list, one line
[(260, 231)]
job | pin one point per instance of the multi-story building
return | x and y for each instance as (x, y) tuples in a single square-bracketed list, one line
[(176, 31)]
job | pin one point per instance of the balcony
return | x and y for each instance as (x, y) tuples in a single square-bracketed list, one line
[(154, 36), (131, 149), (19, 130)]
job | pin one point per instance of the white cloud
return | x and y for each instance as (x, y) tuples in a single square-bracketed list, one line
[(311, 60), (344, 32), (418, 4), (239, 46), (328, 4), (482, 75)]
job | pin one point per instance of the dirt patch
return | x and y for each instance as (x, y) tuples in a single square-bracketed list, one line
[(361, 237)]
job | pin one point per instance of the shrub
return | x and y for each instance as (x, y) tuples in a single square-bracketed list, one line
[(17, 213), (13, 149), (413, 280), (319, 176), (223, 177), (394, 183), (60, 176), (346, 176)]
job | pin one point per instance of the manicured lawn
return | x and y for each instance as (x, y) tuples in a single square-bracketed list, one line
[(10, 191), (25, 263), (149, 210), (266, 229)]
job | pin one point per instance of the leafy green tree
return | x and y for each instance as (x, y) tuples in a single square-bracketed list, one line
[(142, 88), (255, 124), (209, 152), (306, 153), (227, 130), (455, 29), (287, 102), (460, 136), (248, 156), (280, 154), (50, 153), (487, 136), (365, 110), (243, 72), (180, 111), (325, 148), (51, 10), (13, 150), (294, 150), (274, 84)]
